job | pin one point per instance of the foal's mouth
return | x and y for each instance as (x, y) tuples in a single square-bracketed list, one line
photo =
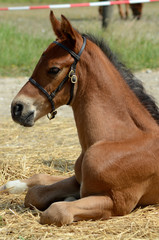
[(29, 120), (26, 120)]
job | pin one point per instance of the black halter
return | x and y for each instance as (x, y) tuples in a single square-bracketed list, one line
[(71, 75)]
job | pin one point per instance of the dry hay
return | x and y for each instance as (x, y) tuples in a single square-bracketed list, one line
[(52, 147)]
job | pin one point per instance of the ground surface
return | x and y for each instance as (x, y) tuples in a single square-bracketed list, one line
[(52, 147)]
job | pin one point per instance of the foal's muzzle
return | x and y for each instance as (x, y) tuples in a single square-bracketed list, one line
[(22, 115)]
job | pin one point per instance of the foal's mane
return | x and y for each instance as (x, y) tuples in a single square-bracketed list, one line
[(135, 84)]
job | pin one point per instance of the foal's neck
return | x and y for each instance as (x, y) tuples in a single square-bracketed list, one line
[(105, 108)]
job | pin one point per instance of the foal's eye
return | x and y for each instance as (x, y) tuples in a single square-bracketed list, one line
[(54, 70)]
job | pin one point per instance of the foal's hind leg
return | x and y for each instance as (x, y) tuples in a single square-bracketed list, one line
[(42, 196), (88, 208), (19, 186)]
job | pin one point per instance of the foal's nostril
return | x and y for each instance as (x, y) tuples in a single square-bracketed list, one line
[(17, 110)]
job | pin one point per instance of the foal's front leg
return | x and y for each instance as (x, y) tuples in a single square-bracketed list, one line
[(88, 208), (42, 196)]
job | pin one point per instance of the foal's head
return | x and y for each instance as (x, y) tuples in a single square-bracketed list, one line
[(31, 103)]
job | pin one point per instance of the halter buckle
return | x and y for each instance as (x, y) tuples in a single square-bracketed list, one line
[(51, 115), (72, 76), (71, 73)]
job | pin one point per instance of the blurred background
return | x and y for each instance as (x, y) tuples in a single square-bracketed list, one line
[(25, 34)]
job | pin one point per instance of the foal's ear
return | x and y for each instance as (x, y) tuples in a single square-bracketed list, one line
[(68, 31), (56, 25)]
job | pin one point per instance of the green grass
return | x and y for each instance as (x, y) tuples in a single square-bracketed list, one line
[(19, 52), (24, 35), (137, 49)]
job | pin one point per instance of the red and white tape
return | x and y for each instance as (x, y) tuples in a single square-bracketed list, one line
[(74, 5)]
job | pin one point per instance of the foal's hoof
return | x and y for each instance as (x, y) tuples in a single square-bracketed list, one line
[(58, 214)]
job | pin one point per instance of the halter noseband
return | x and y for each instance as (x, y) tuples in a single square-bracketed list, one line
[(71, 75)]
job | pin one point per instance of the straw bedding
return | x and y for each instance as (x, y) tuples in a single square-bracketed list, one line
[(52, 147)]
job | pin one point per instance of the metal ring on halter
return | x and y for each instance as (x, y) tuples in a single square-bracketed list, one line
[(71, 73), (52, 114), (74, 79), (72, 76)]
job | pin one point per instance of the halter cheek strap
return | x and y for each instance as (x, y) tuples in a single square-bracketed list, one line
[(71, 75), (72, 72)]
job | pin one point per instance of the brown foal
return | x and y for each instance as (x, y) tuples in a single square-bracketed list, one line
[(118, 168)]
